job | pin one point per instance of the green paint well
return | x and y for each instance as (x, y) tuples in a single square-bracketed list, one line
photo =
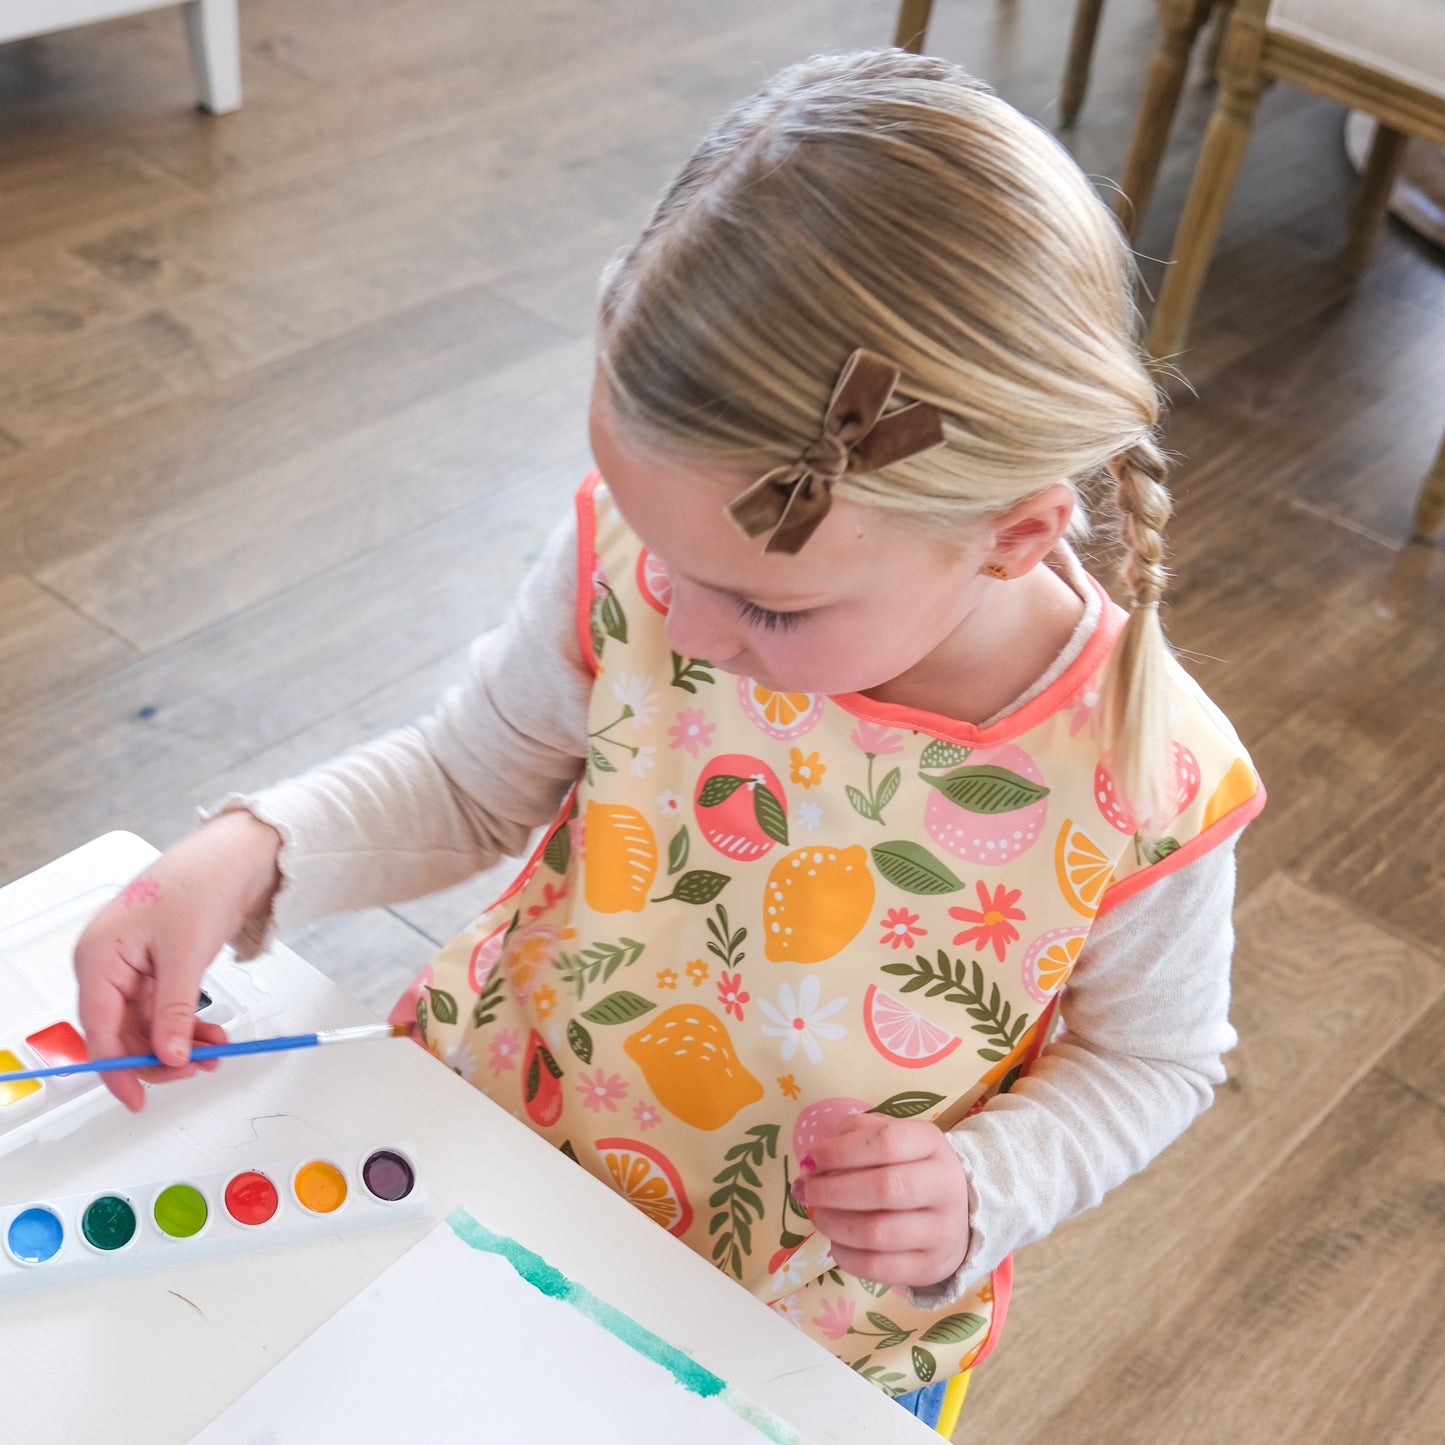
[(682, 1367), (109, 1222), (181, 1211)]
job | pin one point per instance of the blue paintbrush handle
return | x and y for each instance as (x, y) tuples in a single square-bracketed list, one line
[(153, 1061)]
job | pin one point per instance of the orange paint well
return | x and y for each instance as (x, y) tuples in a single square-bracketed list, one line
[(320, 1187)]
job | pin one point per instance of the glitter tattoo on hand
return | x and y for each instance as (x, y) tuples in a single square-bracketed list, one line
[(144, 889)]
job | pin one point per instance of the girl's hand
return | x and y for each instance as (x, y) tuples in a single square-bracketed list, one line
[(892, 1197), (140, 960)]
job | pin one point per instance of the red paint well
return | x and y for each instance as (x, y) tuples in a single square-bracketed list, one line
[(251, 1198), (59, 1044)]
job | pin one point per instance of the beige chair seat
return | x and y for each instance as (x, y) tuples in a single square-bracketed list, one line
[(1404, 39)]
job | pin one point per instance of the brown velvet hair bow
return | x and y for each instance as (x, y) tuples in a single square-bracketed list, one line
[(791, 500)]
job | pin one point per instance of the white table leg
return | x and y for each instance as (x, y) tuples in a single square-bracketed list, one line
[(215, 45)]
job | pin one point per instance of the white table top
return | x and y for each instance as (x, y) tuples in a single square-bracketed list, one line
[(152, 1357)]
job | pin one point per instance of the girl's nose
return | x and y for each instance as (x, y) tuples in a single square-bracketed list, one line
[(699, 625)]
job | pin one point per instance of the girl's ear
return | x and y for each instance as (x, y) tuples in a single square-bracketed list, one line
[(1024, 535)]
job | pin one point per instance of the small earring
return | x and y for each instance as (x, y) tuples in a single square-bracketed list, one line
[(998, 570)]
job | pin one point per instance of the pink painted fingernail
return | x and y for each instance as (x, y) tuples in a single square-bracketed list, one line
[(808, 1162)]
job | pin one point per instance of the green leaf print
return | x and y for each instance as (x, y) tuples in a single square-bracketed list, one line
[(719, 789), (987, 789), (939, 754), (953, 1329), (911, 867), (579, 1041), (887, 788), (770, 815), (421, 1015), (738, 1204), (443, 1006), (688, 672), (992, 1016), (613, 619), (890, 1382), (702, 885), (601, 762), (725, 944), (906, 1105), (874, 1288), (924, 1365), (677, 851), (861, 803), (1158, 852), (599, 638), (569, 1151), (484, 1011), (618, 1008), (558, 852), (596, 963)]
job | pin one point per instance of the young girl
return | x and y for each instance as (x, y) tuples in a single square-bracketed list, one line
[(848, 764)]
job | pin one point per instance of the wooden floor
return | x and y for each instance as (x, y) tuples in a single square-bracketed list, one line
[(289, 398)]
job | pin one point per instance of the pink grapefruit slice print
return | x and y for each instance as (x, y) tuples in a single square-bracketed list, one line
[(654, 581), (901, 1034)]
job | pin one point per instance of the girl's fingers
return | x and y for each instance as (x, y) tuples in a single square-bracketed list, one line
[(912, 1269), (879, 1232), (891, 1187), (870, 1141)]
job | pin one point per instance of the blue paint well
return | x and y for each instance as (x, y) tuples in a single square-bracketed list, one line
[(36, 1235)]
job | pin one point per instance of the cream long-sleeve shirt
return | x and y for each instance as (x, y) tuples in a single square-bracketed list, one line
[(1145, 1017)]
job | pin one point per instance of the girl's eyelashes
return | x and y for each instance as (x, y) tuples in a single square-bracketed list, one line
[(770, 621)]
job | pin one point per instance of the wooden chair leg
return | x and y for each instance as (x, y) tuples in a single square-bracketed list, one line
[(215, 45), (1214, 42), (1430, 510), (1219, 161), (912, 28), (1179, 25), (1081, 52), (1377, 180)]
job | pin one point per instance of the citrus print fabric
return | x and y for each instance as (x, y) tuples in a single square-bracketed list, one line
[(761, 912)]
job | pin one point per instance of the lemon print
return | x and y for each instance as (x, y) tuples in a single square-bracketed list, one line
[(1237, 786), (620, 860), (691, 1067), (816, 902), (1082, 869)]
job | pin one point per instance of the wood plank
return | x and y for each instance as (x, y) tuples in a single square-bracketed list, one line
[(47, 647), (43, 195), (1419, 1059), (212, 555), (81, 491), (46, 294), (164, 723), (1318, 995), (1309, 1320)]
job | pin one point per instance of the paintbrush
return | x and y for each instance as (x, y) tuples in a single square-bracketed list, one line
[(218, 1051)]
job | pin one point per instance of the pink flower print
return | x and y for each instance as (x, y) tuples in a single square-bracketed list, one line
[(692, 730), (900, 928), (730, 994), (604, 1089), (506, 1047), (875, 740), (551, 897), (993, 919), (648, 1116), (837, 1317)]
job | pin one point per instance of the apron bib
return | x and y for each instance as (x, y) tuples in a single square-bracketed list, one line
[(759, 912)]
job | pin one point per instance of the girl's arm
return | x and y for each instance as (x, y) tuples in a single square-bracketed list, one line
[(1145, 1023), (430, 804)]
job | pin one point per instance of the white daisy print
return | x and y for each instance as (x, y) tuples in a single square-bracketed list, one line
[(462, 1059), (801, 1018), (634, 690), (791, 1308), (642, 760)]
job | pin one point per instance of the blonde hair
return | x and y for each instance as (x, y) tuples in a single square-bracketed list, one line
[(889, 201)]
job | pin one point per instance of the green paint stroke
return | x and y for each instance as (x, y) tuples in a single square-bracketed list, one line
[(682, 1367)]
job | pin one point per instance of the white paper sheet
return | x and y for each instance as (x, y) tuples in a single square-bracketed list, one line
[(458, 1342)]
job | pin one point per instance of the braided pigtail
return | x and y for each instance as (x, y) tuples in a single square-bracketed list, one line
[(1135, 698)]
